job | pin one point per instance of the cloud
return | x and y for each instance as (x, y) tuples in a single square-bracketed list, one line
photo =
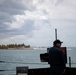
[(34, 21), (11, 16), (58, 2), (56, 9)]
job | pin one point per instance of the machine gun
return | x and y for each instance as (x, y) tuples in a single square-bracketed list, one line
[(44, 56)]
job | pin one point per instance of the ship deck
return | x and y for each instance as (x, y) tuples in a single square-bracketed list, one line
[(46, 71)]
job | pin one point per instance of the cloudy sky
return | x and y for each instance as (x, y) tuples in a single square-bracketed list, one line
[(33, 22)]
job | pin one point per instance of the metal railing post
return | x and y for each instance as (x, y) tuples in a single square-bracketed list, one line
[(69, 61)]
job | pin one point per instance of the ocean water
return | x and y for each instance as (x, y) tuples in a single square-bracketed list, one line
[(10, 59)]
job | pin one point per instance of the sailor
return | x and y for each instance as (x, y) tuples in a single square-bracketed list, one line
[(56, 59)]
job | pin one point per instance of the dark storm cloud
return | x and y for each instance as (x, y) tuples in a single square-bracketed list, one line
[(12, 7), (25, 30), (15, 6), (8, 9)]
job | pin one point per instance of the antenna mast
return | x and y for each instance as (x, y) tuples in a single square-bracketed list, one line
[(56, 34)]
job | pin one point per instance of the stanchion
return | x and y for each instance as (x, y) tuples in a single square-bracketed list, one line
[(70, 62)]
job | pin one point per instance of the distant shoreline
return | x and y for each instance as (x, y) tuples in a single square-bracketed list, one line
[(25, 49), (18, 49)]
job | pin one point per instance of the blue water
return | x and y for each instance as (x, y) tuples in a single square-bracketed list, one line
[(31, 58)]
